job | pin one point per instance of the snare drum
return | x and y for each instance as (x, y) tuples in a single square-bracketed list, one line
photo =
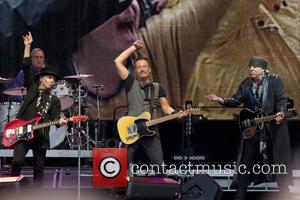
[(5, 108), (63, 91)]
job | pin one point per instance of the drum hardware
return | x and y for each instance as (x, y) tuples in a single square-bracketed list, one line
[(8, 111), (97, 122), (86, 141), (79, 77), (83, 95), (5, 80), (19, 91), (75, 137), (90, 143)]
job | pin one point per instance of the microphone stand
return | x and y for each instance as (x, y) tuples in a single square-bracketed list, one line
[(23, 93), (8, 110), (79, 138)]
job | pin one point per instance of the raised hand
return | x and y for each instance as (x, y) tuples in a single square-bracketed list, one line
[(159, 4), (138, 44), (27, 39)]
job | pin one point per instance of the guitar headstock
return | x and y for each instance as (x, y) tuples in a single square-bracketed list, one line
[(193, 111), (291, 112), (76, 119)]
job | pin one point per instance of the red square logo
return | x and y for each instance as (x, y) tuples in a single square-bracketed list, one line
[(110, 167)]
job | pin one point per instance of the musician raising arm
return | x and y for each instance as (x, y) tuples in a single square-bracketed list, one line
[(141, 91), (38, 101), (265, 91)]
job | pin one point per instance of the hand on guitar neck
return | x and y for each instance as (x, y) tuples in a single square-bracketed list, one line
[(249, 120), (62, 121), (279, 117), (180, 114)]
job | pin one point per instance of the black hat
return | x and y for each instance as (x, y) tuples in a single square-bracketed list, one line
[(258, 62), (47, 71)]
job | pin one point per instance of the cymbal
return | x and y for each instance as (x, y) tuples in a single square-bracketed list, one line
[(5, 80), (20, 91), (79, 76)]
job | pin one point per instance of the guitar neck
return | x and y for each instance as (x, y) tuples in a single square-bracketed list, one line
[(46, 124), (162, 119), (272, 117), (265, 119)]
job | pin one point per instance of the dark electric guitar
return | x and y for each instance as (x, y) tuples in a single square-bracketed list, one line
[(20, 130), (249, 120), (133, 128)]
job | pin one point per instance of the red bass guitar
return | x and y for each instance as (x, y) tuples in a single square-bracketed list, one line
[(20, 130)]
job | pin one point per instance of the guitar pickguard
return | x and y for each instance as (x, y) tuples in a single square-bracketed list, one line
[(16, 131), (142, 128)]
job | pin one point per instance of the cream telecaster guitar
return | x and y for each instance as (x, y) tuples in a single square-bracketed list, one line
[(133, 128)]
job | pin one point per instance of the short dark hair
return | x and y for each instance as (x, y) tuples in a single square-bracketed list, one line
[(141, 58)]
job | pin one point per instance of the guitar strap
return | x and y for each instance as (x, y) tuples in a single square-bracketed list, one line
[(152, 88), (46, 108), (44, 111)]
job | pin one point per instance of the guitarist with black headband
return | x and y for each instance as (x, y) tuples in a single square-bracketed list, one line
[(38, 101), (144, 95), (270, 144)]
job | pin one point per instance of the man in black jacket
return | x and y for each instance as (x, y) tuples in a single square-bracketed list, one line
[(38, 101), (265, 91)]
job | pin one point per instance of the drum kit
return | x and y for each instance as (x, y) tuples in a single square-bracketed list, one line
[(71, 95)]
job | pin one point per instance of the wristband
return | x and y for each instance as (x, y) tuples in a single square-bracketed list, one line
[(137, 47)]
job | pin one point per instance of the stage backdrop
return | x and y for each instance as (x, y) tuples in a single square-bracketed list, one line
[(195, 46)]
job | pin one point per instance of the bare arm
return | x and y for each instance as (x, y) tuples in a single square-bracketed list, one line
[(29, 77), (168, 110), (165, 106), (27, 44), (234, 101), (119, 61)]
